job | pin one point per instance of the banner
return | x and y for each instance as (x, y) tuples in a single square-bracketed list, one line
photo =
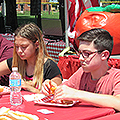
[(74, 10)]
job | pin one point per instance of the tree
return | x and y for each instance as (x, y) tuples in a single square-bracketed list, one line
[(11, 14)]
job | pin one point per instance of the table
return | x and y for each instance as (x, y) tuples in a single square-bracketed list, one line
[(115, 116), (54, 47), (81, 111)]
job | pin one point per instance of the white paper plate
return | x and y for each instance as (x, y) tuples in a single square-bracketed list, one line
[(53, 104), (6, 90)]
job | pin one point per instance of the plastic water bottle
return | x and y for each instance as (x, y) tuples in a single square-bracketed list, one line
[(15, 87)]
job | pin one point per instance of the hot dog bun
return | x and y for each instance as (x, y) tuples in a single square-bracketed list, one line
[(15, 115), (4, 110), (5, 118)]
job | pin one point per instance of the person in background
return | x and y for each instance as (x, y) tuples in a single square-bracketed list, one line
[(94, 82), (30, 56), (6, 51)]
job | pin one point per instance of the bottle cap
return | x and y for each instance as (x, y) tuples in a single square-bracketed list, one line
[(15, 69)]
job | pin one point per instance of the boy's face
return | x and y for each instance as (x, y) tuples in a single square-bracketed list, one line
[(89, 57)]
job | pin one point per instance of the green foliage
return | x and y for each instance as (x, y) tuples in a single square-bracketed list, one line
[(52, 14), (110, 8), (26, 17)]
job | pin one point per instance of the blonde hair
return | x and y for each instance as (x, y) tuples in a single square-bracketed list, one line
[(33, 33)]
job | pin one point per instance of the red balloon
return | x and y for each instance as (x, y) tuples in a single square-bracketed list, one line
[(105, 20)]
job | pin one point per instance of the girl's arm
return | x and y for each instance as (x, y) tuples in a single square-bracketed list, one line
[(4, 69)]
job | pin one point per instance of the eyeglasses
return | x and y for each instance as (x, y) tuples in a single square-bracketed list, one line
[(85, 53)]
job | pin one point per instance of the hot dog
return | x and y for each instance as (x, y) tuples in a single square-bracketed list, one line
[(52, 89), (7, 114)]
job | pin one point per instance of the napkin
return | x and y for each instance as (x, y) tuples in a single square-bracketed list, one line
[(33, 97), (45, 111)]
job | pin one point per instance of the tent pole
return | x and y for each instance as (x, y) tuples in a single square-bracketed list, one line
[(66, 31)]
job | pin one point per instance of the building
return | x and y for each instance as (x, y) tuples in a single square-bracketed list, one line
[(24, 5)]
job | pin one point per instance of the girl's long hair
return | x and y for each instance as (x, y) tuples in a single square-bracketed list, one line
[(31, 32)]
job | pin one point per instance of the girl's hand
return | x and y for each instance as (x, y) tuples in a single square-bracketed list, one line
[(23, 84), (26, 84), (29, 86)]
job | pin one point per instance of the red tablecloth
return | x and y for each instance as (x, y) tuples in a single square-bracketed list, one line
[(76, 112), (110, 117)]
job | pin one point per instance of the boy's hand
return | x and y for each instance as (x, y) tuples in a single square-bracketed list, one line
[(48, 87)]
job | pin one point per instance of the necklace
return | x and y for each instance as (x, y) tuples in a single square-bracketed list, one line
[(95, 79)]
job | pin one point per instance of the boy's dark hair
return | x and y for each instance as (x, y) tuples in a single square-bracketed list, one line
[(101, 38)]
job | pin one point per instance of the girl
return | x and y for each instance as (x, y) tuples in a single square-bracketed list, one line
[(33, 62)]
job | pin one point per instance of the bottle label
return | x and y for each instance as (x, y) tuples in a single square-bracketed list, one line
[(16, 82)]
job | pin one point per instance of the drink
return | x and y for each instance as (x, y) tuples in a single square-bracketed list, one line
[(15, 87)]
